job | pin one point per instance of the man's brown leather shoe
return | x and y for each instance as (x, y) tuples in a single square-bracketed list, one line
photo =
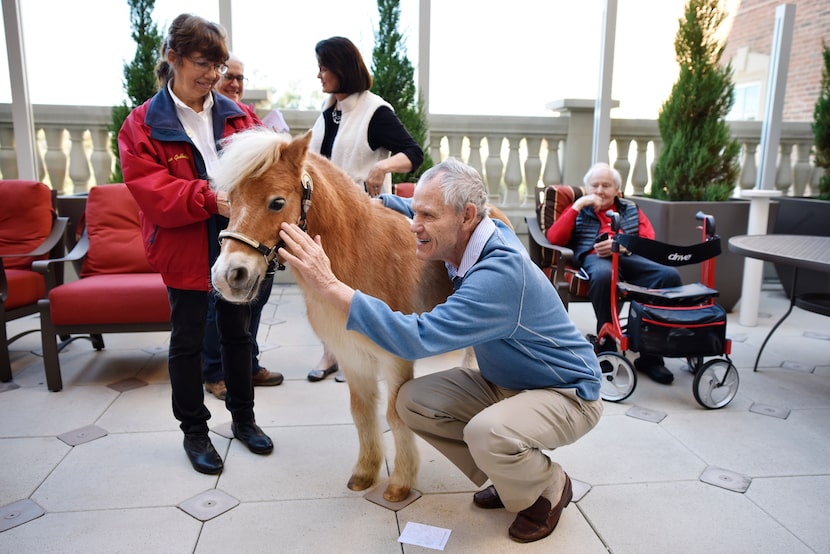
[(488, 498), (539, 521), (217, 389), (265, 378)]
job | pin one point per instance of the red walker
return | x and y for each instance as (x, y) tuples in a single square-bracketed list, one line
[(677, 322)]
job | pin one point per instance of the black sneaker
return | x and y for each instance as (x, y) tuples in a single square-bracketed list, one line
[(654, 368)]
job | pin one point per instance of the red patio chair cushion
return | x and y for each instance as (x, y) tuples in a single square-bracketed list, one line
[(25, 288), (405, 190), (105, 299), (115, 244), (25, 220)]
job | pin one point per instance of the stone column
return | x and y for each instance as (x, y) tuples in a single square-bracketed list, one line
[(754, 269), (579, 144), (580, 141)]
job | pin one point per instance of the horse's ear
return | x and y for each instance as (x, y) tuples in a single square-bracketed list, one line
[(296, 150)]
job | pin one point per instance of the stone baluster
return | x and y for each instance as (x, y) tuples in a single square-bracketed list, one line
[(802, 169), (533, 169), (475, 153), (455, 141), (513, 172), (749, 169), (101, 157), (622, 164), (784, 172), (435, 149), (8, 157), (493, 168), (553, 173), (639, 176), (79, 169), (57, 162)]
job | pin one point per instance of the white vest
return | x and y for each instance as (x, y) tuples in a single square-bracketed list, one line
[(351, 151)]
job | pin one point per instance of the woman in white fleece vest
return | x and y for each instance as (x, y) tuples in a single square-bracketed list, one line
[(360, 133)]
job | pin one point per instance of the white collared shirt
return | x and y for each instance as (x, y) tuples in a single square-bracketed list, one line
[(199, 127)]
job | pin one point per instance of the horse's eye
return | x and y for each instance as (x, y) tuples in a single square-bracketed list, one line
[(277, 204)]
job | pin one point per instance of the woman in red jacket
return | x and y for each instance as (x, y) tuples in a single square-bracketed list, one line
[(168, 148)]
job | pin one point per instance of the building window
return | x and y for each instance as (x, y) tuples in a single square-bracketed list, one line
[(747, 102)]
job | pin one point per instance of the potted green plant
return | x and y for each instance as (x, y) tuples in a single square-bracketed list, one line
[(393, 79), (139, 76), (698, 167), (810, 215)]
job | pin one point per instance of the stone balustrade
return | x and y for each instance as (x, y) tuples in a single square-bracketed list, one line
[(517, 156)]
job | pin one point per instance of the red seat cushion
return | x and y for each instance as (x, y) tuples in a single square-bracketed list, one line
[(25, 288), (105, 299), (26, 215), (115, 244), (405, 190)]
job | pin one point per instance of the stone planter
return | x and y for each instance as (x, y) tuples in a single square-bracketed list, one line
[(802, 216), (675, 223)]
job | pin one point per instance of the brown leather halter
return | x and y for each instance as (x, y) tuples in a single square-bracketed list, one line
[(270, 254)]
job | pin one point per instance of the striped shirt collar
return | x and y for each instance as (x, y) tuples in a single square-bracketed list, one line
[(475, 246)]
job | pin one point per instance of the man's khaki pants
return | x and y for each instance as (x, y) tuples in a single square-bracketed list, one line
[(496, 433)]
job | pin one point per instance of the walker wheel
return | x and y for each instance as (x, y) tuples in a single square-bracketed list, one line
[(715, 383), (618, 378)]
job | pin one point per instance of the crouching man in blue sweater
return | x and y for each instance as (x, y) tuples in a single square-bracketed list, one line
[(538, 383)]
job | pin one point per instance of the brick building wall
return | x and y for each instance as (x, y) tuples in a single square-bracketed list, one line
[(753, 26)]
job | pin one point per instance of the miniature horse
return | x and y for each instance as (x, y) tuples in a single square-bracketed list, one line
[(271, 179)]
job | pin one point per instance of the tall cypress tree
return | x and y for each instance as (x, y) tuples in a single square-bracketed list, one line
[(140, 75), (393, 79), (821, 127), (699, 160)]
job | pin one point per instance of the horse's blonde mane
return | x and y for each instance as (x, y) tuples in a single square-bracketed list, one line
[(246, 154)]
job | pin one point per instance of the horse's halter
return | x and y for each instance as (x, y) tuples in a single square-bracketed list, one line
[(270, 254)]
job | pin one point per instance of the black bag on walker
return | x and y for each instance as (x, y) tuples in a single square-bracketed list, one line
[(677, 331)]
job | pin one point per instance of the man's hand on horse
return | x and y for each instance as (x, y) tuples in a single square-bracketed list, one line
[(307, 257)]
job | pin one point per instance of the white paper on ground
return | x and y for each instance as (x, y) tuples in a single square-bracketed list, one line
[(425, 535)]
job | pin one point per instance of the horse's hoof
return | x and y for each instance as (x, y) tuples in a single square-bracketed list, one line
[(395, 494), (359, 483)]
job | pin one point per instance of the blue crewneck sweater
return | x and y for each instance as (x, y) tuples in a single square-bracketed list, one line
[(505, 308)]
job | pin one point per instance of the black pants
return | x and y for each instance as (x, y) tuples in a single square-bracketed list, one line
[(212, 355), (188, 314), (633, 269)]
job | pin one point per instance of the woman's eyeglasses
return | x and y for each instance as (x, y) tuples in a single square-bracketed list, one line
[(241, 79), (206, 66)]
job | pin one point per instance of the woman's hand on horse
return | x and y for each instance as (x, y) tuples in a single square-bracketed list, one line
[(222, 204)]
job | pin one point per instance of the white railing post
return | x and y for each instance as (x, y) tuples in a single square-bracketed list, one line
[(79, 170)]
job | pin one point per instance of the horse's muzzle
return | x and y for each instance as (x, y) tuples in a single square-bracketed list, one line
[(235, 282)]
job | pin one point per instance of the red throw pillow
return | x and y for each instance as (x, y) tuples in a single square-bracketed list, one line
[(115, 244), (26, 216)]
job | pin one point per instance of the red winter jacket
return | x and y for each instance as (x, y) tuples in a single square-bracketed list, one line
[(166, 174)]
